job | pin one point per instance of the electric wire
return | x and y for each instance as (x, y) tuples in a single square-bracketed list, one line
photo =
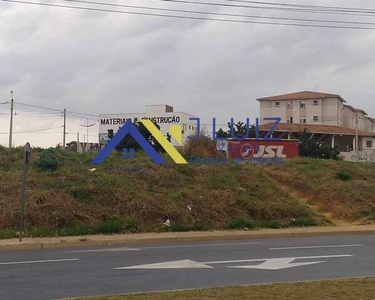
[(189, 17), (303, 5), (30, 131), (220, 14), (291, 9), (36, 106)]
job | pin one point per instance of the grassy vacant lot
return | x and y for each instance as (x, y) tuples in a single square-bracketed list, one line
[(137, 196), (353, 289), (345, 190)]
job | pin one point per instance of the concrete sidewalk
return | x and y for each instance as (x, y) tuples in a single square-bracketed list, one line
[(172, 237)]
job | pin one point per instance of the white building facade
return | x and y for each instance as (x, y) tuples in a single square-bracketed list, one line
[(162, 115)]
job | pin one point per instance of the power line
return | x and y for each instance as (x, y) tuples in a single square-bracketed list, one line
[(55, 109), (304, 5), (36, 116), (4, 103), (220, 14), (36, 106), (189, 17), (30, 131), (82, 114), (291, 9)]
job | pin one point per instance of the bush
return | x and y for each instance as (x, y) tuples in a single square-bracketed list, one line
[(271, 224), (132, 225), (82, 194), (111, 226), (49, 160), (179, 227), (303, 222), (202, 147), (77, 230), (240, 224), (344, 176), (8, 234)]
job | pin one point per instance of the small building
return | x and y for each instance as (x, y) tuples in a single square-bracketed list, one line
[(162, 115)]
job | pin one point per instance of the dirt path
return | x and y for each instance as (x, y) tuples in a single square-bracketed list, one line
[(306, 201)]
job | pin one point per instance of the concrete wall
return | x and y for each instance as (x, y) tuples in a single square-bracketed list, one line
[(363, 156)]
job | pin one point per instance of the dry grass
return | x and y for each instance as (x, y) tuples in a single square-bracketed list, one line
[(141, 195), (343, 189), (202, 147), (352, 289)]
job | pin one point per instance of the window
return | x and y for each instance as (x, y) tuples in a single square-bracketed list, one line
[(315, 102), (302, 104), (277, 104), (289, 120), (369, 144), (302, 121), (289, 105), (315, 118)]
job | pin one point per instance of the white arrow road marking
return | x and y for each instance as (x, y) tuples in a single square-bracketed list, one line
[(178, 264), (317, 247), (266, 263), (277, 264), (38, 261), (105, 250)]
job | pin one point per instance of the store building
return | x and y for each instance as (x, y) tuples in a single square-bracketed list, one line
[(162, 115)]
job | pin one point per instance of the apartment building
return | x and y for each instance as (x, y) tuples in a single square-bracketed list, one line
[(304, 108), (327, 116)]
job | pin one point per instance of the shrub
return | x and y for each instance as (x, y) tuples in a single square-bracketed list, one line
[(49, 160), (82, 194), (77, 230), (271, 224), (8, 234), (344, 176), (304, 222), (111, 226), (240, 224), (202, 147), (132, 225)]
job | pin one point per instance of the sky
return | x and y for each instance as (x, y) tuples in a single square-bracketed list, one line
[(93, 62)]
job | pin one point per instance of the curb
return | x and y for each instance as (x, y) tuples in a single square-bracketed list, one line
[(165, 238)]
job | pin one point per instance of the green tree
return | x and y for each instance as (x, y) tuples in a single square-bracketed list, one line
[(239, 130), (72, 146), (310, 147)]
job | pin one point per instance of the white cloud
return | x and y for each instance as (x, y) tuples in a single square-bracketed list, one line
[(108, 63)]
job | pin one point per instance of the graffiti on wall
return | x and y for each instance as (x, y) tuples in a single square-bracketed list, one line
[(363, 156)]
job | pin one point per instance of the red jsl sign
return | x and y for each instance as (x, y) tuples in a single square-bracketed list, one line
[(249, 149)]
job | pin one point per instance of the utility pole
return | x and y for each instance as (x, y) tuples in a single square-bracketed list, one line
[(11, 119), (77, 142), (64, 133), (26, 160), (356, 137), (87, 125)]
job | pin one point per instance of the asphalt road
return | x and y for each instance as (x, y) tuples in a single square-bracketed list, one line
[(61, 273)]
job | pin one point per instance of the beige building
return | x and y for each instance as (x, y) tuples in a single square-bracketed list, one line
[(315, 108), (327, 116), (304, 108)]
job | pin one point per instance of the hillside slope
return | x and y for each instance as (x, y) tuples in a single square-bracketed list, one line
[(137, 195)]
